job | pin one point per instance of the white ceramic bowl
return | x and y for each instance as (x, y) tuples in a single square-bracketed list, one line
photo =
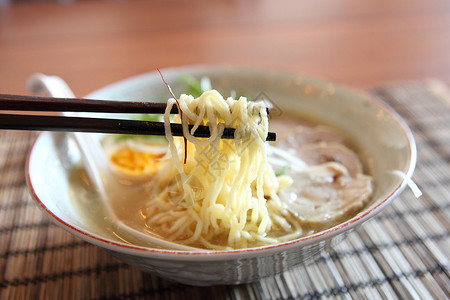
[(384, 142)]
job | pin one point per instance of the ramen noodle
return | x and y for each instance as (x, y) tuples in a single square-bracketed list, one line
[(236, 193)]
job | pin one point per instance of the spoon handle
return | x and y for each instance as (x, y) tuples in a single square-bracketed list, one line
[(89, 146)]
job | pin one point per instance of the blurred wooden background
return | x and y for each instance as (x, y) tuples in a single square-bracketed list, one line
[(94, 43)]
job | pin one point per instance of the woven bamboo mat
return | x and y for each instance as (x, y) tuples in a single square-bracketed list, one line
[(403, 253)]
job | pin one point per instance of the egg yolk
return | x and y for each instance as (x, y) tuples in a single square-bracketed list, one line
[(136, 162)]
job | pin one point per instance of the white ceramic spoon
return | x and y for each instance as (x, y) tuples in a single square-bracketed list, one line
[(96, 164)]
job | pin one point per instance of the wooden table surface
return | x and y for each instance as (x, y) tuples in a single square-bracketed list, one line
[(94, 43)]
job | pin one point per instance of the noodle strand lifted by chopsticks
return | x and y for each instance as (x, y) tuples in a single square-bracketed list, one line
[(225, 195)]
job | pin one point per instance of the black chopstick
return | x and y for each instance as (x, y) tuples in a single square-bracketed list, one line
[(101, 125), (79, 124), (37, 103)]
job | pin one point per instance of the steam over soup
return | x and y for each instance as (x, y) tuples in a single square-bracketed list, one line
[(215, 193)]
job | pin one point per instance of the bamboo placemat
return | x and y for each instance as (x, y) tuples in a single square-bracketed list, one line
[(403, 253)]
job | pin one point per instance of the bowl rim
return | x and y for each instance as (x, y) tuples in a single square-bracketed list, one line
[(358, 219)]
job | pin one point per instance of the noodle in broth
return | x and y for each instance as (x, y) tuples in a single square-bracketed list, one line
[(226, 195)]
